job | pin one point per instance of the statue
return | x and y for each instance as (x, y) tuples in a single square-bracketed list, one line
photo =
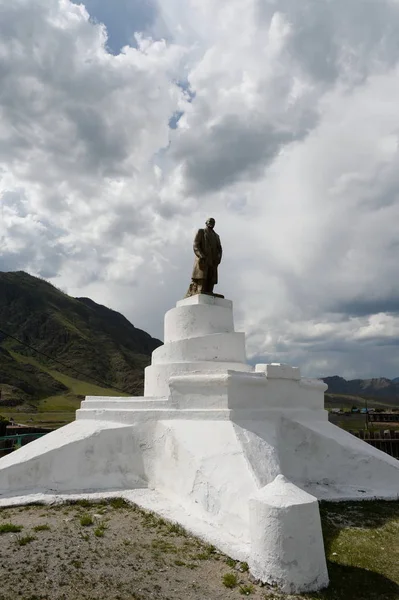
[(208, 255)]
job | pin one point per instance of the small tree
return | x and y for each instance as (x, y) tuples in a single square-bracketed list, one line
[(3, 425)]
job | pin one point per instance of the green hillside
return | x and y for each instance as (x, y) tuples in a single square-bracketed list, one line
[(101, 352), (346, 401)]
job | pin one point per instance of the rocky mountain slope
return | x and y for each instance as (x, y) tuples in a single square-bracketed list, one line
[(383, 389), (85, 336)]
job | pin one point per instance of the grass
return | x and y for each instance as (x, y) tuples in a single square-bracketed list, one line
[(164, 546), (176, 529), (76, 563), (179, 563), (76, 386), (207, 553), (100, 529), (246, 590), (42, 419), (86, 520), (24, 540), (99, 532), (119, 503), (230, 580), (347, 401), (62, 403), (43, 527), (57, 410), (361, 543), (10, 528)]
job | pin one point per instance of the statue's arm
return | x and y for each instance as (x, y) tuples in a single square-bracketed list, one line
[(198, 246), (220, 250)]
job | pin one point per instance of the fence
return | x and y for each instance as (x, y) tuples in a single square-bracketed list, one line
[(9, 443), (384, 417), (387, 441)]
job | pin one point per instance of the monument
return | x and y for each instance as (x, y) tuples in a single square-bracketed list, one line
[(238, 455), (208, 255)]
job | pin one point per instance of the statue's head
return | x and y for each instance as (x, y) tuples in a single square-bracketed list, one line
[(210, 223)]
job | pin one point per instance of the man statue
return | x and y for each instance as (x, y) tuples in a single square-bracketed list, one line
[(208, 255)]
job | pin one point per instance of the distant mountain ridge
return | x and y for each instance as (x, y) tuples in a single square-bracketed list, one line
[(97, 341), (378, 388)]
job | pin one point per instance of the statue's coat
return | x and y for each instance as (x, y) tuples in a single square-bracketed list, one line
[(208, 255)]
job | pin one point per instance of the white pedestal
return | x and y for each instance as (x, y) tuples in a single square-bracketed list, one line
[(199, 337), (205, 444)]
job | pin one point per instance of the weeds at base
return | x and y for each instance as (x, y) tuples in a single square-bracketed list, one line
[(23, 541), (10, 528), (230, 580)]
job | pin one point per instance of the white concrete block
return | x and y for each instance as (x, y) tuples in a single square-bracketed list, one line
[(278, 371), (197, 320), (219, 347), (225, 390), (205, 299), (286, 538), (156, 377)]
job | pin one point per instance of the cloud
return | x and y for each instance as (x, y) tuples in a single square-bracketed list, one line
[(123, 19), (277, 118)]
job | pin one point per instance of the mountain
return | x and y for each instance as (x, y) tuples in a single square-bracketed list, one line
[(95, 344), (385, 390)]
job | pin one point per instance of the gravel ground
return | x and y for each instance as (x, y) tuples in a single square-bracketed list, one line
[(111, 550)]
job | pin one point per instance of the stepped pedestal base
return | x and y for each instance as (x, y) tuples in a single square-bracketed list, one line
[(236, 455)]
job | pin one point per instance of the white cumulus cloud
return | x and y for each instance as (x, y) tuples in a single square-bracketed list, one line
[(287, 133)]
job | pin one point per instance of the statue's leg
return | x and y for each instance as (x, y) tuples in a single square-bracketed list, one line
[(210, 284), (206, 284)]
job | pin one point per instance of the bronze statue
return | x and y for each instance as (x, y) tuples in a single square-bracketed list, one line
[(208, 255)]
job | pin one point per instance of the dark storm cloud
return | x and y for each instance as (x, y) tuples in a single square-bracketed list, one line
[(362, 307), (227, 152)]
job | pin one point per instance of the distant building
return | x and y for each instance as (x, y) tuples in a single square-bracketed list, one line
[(384, 417)]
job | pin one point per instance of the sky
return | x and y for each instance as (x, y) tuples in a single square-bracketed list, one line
[(124, 125)]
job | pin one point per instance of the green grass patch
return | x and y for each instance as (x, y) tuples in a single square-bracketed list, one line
[(176, 529), (206, 553), (230, 580), (76, 563), (179, 563), (60, 403), (361, 543), (24, 540), (246, 590), (99, 532), (231, 562), (59, 409), (43, 527), (86, 520), (164, 546), (10, 528), (118, 503), (52, 420)]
